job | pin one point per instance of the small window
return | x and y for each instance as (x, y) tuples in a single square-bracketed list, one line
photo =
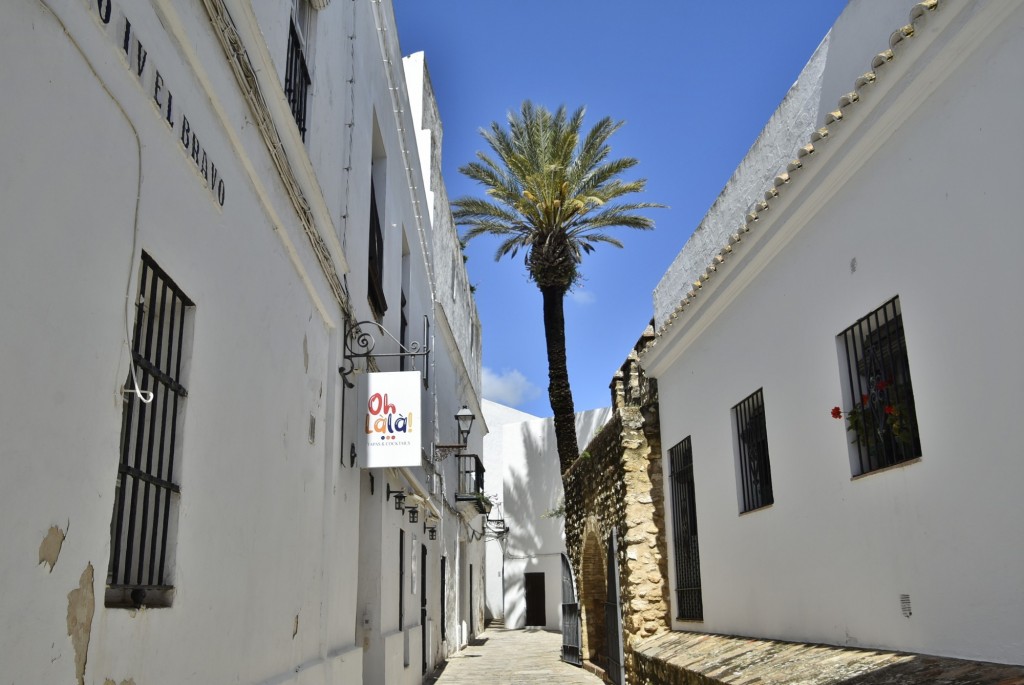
[(689, 600), (375, 270), (752, 440), (296, 73), (144, 521), (403, 333), (401, 579), (880, 413)]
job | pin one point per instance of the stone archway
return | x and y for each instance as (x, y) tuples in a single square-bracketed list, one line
[(616, 485), (593, 591)]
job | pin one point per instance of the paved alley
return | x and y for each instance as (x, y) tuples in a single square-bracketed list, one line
[(512, 657)]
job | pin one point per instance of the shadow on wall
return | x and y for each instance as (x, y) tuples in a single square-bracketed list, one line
[(533, 487)]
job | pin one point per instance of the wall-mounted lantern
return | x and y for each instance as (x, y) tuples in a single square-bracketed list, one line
[(414, 514), (465, 419), (464, 424), (399, 497)]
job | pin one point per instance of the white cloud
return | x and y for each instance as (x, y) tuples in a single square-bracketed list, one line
[(510, 387), (582, 296)]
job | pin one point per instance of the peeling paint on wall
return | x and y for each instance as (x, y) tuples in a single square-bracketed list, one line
[(295, 628), (305, 353), (81, 605), (49, 548), (111, 681)]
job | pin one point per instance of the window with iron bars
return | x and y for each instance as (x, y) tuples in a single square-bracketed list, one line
[(375, 261), (689, 600), (144, 521), (752, 439), (880, 413), (296, 73)]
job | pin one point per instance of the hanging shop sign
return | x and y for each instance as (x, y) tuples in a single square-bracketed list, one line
[(391, 419)]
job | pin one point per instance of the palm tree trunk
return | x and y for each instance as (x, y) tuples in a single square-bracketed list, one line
[(559, 392)]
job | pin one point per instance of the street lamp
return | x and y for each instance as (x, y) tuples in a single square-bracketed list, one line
[(465, 418)]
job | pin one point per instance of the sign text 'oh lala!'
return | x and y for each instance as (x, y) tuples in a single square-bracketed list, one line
[(386, 419)]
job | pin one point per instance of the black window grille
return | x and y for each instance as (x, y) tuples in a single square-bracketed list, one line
[(880, 412), (296, 78), (444, 599), (755, 471), (403, 332), (401, 579), (375, 270), (147, 491), (689, 600)]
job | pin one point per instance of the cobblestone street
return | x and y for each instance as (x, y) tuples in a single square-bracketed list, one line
[(512, 657)]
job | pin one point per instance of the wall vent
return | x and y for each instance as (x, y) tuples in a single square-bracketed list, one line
[(905, 605)]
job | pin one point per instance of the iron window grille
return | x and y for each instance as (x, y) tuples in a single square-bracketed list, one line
[(375, 270), (881, 416), (752, 438), (403, 332), (296, 73), (689, 600), (147, 492), (444, 599), (401, 580)]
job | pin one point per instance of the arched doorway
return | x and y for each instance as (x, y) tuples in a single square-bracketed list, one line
[(593, 593)]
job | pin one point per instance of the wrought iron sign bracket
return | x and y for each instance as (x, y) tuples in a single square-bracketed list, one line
[(360, 343)]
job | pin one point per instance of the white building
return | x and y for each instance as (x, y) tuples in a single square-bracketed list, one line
[(863, 255), (199, 201), (524, 569)]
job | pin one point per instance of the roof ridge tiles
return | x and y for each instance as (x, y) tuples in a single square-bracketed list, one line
[(917, 15)]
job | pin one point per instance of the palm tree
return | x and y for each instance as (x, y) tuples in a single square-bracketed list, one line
[(552, 194)]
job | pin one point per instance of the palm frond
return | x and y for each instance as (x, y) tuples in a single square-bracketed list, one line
[(551, 190)]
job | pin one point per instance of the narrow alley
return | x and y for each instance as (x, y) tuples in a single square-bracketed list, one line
[(511, 657)]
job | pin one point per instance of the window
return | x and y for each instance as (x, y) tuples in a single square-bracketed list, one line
[(146, 498), (444, 597), (689, 602), (403, 333), (401, 580), (880, 412), (375, 270), (405, 363), (296, 72), (752, 439)]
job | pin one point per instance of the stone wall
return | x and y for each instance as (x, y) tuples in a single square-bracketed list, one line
[(616, 486)]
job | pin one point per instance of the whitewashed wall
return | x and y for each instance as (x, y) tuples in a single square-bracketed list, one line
[(919, 185), (281, 546), (531, 492)]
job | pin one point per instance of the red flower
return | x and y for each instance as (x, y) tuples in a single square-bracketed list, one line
[(864, 399), (837, 413), (889, 409), (882, 385)]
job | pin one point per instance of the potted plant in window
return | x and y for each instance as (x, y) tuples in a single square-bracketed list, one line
[(880, 423)]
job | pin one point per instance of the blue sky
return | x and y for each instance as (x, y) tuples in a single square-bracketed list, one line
[(695, 81)]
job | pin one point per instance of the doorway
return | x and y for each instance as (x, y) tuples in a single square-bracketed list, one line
[(535, 612)]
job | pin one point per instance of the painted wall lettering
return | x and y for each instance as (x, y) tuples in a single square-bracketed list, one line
[(104, 11), (152, 81)]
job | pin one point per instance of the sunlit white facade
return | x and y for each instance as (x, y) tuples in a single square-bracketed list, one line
[(213, 194)]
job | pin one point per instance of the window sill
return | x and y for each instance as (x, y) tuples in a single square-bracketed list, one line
[(900, 465), (754, 511)]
